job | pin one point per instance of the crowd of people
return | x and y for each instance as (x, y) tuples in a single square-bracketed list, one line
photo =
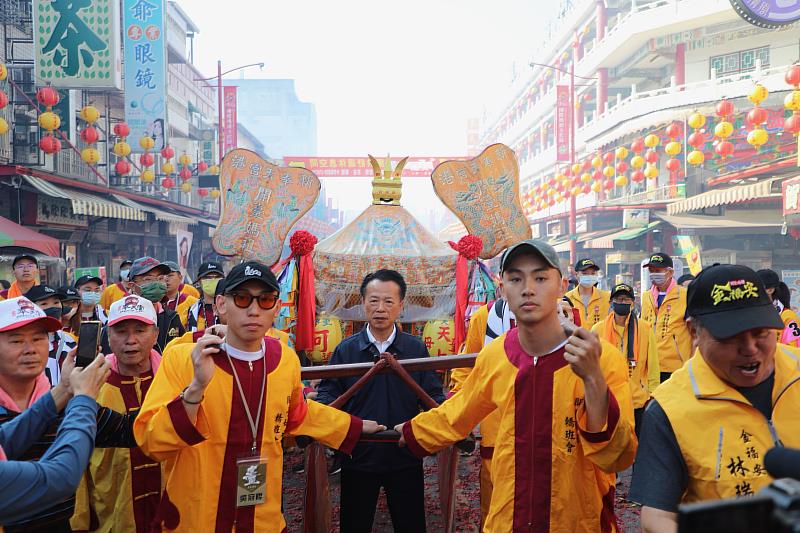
[(182, 420)]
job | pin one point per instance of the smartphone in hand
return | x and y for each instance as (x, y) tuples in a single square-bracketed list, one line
[(88, 341)]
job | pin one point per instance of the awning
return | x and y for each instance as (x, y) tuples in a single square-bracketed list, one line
[(744, 219), (607, 241), (12, 234), (728, 196), (85, 203), (160, 214)]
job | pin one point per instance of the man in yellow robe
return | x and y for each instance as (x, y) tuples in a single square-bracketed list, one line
[(566, 420), (218, 411), (122, 487)]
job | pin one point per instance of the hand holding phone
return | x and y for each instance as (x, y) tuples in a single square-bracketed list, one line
[(88, 343)]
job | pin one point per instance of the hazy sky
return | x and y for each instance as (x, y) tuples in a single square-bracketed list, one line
[(398, 77)]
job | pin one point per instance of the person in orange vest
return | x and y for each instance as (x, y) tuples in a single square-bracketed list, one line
[(705, 434), (637, 344), (26, 275), (566, 419), (117, 290), (592, 303), (664, 306)]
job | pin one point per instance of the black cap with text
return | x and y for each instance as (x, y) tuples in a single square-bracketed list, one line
[(659, 260), (251, 271), (730, 299)]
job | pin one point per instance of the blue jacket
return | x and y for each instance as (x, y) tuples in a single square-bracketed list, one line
[(28, 486), (385, 398)]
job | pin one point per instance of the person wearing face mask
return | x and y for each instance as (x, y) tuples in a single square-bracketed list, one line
[(591, 302), (114, 292), (89, 289), (201, 314), (147, 278), (70, 301), (177, 298), (664, 306), (636, 341), (61, 342)]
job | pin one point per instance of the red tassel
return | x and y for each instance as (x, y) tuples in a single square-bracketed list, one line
[(462, 290), (306, 305)]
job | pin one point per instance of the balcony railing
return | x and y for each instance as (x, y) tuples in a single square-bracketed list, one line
[(658, 195)]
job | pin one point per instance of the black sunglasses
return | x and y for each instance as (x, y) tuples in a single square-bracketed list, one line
[(243, 300)]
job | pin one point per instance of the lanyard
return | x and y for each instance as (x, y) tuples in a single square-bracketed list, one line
[(253, 423)]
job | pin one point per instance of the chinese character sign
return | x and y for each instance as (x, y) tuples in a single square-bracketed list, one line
[(77, 43), (145, 70), (260, 204), (484, 194), (349, 166), (791, 196), (229, 99), (563, 123)]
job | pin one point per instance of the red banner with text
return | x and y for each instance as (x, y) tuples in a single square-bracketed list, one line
[(563, 122), (229, 118)]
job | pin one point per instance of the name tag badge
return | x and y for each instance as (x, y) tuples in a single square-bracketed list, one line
[(251, 481)]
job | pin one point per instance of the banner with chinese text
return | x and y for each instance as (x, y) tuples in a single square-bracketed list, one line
[(77, 43), (145, 70), (359, 167), (563, 123), (230, 118), (791, 196)]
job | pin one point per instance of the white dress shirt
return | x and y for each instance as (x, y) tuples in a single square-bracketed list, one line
[(382, 346)]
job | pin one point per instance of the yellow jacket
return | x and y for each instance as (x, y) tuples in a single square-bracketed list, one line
[(789, 317), (111, 294), (189, 290), (597, 310), (121, 489), (548, 472), (673, 339), (201, 490), (644, 373), (722, 437), (476, 337)]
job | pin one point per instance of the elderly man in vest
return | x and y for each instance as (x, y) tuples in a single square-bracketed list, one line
[(706, 433)]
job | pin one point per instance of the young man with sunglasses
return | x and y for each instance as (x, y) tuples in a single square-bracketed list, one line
[(225, 405)]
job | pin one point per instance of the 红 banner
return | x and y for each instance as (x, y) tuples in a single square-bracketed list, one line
[(77, 43), (145, 70), (230, 118), (563, 123)]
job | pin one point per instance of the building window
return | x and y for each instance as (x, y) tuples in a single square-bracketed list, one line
[(736, 62)]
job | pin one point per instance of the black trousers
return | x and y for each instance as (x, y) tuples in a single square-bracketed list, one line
[(405, 495)]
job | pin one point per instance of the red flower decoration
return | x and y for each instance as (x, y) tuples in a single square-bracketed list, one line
[(302, 243), (469, 246)]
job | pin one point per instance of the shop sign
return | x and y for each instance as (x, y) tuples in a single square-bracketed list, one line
[(768, 14), (58, 212), (791, 196), (77, 43), (231, 138)]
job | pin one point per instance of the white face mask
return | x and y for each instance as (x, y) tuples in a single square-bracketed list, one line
[(658, 278), (587, 280)]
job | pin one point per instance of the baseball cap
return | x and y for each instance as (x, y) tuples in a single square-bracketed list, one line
[(623, 288), (769, 277), (19, 258), (210, 267), (251, 270), (730, 299), (659, 260), (83, 280), (125, 262), (585, 264), (132, 307), (68, 294), (42, 292), (542, 248), (143, 265), (172, 265), (18, 312)]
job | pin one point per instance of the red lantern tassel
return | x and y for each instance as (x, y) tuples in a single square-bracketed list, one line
[(306, 305)]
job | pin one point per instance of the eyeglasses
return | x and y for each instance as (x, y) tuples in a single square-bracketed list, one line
[(25, 266), (147, 279), (266, 301)]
